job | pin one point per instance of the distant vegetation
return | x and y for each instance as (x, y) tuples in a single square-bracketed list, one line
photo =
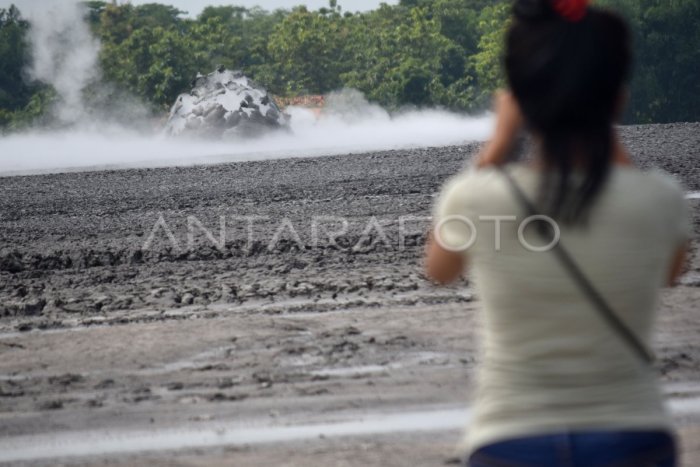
[(421, 52)]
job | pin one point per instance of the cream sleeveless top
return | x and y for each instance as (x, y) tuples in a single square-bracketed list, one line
[(549, 362)]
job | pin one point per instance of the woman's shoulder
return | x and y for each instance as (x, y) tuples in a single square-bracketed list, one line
[(477, 178), (488, 184), (655, 182), (473, 184), (471, 175), (658, 194)]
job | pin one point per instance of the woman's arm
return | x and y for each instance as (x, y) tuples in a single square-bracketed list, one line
[(445, 266), (441, 265), (509, 122), (678, 264)]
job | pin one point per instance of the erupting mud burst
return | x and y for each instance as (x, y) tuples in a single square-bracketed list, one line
[(225, 104)]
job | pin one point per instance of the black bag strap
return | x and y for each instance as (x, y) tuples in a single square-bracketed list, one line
[(605, 311)]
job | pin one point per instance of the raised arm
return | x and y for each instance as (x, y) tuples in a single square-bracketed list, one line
[(509, 122), (445, 266)]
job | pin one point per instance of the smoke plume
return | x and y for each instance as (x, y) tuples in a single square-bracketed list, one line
[(65, 54)]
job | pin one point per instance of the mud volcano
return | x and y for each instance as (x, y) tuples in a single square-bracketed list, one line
[(225, 104)]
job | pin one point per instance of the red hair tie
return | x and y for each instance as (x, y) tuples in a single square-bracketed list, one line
[(570, 10)]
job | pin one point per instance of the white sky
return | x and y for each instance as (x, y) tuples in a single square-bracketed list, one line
[(193, 7)]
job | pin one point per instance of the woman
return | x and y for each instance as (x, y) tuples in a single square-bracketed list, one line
[(564, 378)]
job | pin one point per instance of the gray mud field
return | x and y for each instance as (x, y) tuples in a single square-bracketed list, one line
[(225, 314)]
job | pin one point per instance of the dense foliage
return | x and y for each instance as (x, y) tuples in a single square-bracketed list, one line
[(420, 52), (20, 100)]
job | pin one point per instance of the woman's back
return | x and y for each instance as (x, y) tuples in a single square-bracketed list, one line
[(550, 361), (561, 376)]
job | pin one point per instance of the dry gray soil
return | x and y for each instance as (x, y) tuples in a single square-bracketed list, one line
[(122, 319)]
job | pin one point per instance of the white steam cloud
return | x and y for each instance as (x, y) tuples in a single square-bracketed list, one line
[(66, 56), (87, 150)]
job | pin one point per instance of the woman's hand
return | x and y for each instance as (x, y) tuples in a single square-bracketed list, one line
[(509, 122)]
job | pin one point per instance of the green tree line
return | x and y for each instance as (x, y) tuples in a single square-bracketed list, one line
[(445, 53)]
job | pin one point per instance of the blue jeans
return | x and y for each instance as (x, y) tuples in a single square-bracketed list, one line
[(581, 449)]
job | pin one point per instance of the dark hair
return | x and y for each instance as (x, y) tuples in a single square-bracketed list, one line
[(567, 78)]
